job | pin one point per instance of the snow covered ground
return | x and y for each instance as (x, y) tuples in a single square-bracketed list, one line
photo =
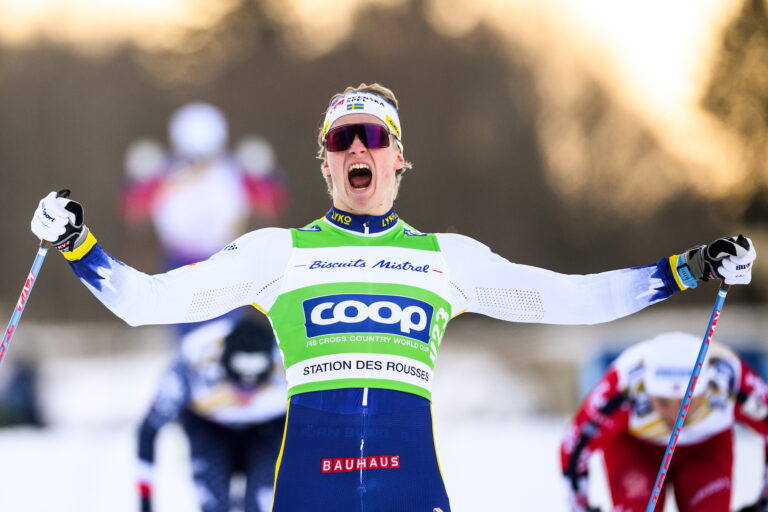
[(496, 453), (488, 465)]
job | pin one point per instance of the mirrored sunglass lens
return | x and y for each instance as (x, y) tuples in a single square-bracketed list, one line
[(339, 139), (376, 136), (373, 136)]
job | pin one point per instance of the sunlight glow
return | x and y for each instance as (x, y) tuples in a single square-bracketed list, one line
[(655, 57), (92, 22), (319, 26), (652, 57)]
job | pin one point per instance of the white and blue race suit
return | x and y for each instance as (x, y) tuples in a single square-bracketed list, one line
[(359, 305)]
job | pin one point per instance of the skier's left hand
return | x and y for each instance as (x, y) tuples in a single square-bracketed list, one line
[(729, 258)]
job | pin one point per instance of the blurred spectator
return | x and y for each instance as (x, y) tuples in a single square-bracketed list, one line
[(19, 402), (236, 188), (630, 414), (227, 393)]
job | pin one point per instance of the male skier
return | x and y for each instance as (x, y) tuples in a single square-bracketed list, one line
[(359, 301)]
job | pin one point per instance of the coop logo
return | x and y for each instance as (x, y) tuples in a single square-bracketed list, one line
[(391, 314)]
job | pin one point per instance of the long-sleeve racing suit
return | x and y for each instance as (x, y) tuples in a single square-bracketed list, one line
[(359, 305)]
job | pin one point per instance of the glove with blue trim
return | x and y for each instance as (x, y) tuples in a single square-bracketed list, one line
[(728, 258)]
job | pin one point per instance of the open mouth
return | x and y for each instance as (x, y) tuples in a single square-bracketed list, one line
[(360, 176)]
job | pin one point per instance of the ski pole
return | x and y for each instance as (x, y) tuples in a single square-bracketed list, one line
[(26, 290), (659, 485), (23, 298)]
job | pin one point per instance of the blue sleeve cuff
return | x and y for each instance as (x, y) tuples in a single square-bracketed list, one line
[(87, 269), (665, 272)]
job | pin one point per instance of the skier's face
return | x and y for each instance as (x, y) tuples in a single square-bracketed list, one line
[(363, 179), (668, 408)]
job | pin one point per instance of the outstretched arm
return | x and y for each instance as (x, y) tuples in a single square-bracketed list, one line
[(486, 283), (242, 273)]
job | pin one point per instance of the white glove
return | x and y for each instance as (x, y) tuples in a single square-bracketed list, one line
[(738, 269), (59, 220), (729, 258)]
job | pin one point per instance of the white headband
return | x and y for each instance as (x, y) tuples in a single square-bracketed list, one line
[(364, 103)]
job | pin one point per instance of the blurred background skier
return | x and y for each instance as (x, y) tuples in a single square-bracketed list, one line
[(630, 413), (232, 415), (201, 196), (240, 190), (229, 395)]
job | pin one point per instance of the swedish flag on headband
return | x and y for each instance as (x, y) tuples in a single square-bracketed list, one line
[(355, 106)]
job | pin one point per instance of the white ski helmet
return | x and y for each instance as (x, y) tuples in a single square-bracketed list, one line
[(256, 155), (144, 159), (198, 130), (668, 360)]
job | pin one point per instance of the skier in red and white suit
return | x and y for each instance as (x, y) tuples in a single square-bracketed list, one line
[(630, 413)]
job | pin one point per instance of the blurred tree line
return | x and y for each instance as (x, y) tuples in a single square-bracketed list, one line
[(737, 95), (471, 113)]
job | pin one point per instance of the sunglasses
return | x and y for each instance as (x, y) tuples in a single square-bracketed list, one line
[(373, 136)]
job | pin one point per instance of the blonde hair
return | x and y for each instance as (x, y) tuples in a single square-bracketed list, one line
[(378, 90)]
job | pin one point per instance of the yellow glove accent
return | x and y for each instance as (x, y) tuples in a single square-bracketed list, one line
[(81, 251)]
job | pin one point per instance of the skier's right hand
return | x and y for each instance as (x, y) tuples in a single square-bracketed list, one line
[(59, 220)]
